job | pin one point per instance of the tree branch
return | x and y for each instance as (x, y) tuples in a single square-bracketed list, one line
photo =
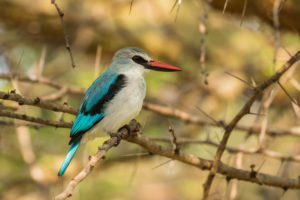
[(135, 136), (244, 111), (35, 119), (203, 164), (188, 118), (37, 102), (265, 152), (163, 110), (108, 144)]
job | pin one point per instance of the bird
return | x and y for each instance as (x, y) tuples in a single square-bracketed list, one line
[(114, 98)]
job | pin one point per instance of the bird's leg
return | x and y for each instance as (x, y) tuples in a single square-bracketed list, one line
[(119, 138)]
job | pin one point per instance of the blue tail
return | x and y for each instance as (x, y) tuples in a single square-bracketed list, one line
[(71, 152)]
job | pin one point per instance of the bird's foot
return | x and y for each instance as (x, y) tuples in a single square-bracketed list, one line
[(127, 127), (119, 138)]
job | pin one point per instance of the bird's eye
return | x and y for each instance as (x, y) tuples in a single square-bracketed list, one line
[(139, 60)]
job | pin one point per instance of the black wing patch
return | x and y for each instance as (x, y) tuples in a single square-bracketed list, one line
[(98, 108)]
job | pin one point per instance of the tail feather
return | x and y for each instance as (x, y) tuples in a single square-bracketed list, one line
[(70, 155)]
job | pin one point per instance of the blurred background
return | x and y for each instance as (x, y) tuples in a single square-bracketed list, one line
[(206, 42)]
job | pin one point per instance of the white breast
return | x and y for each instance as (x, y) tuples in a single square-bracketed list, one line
[(125, 105)]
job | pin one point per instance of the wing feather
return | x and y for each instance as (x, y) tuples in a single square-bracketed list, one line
[(92, 109)]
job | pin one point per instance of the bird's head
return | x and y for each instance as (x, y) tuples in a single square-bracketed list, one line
[(135, 58)]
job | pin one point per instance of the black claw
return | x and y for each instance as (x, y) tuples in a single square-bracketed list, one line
[(127, 127), (119, 138)]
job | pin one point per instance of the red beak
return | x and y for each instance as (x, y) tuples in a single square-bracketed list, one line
[(159, 66)]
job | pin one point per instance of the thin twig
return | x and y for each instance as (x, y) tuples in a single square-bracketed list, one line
[(61, 16), (238, 165), (203, 32)]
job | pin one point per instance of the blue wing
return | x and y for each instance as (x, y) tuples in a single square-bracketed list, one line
[(92, 108)]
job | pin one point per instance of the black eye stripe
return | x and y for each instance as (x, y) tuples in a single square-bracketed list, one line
[(139, 60)]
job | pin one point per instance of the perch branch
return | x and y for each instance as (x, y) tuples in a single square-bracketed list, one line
[(108, 144), (135, 136)]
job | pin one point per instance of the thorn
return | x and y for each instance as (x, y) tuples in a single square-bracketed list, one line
[(253, 172), (166, 162), (287, 52), (21, 102), (253, 82), (205, 168), (263, 162), (37, 100), (211, 118), (228, 179), (240, 79), (258, 114), (289, 96)]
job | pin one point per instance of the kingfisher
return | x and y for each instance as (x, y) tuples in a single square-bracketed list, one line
[(114, 98)]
